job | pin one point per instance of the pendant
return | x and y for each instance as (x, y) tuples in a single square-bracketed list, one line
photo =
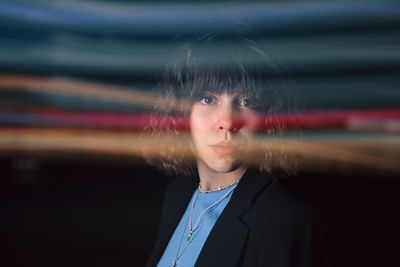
[(190, 234), (174, 262)]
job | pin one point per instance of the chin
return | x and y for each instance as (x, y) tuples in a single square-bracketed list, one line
[(224, 167)]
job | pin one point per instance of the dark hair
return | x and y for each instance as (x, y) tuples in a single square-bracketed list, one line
[(216, 63)]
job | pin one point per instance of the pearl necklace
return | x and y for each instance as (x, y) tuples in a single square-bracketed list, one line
[(217, 189)]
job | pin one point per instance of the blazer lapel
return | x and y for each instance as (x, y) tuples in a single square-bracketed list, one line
[(226, 242)]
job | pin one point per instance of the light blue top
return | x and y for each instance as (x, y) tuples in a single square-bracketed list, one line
[(190, 250)]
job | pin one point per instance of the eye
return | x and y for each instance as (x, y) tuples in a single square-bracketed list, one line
[(207, 100), (248, 103)]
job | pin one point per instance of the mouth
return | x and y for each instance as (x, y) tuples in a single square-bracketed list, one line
[(223, 148)]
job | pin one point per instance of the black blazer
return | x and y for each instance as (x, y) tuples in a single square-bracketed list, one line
[(262, 225)]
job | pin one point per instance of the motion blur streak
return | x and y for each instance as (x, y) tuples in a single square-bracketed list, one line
[(362, 121), (78, 88), (379, 120), (91, 67), (374, 152), (368, 138)]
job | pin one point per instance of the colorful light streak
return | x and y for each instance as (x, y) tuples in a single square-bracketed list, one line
[(359, 139), (385, 120), (374, 152)]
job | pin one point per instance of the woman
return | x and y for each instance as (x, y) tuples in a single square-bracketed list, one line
[(221, 210)]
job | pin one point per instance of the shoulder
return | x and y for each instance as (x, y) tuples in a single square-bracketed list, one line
[(278, 215), (177, 194), (271, 205), (276, 199), (180, 185), (284, 202), (287, 229), (265, 198)]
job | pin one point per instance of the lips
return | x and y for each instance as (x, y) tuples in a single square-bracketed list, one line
[(223, 148)]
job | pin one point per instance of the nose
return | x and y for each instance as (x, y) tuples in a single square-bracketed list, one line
[(228, 119)]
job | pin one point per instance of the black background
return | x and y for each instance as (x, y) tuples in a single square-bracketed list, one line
[(102, 212)]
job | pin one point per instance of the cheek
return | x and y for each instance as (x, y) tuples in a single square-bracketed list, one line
[(251, 127), (198, 131), (251, 124), (200, 123)]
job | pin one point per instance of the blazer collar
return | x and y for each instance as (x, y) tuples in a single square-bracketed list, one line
[(247, 189)]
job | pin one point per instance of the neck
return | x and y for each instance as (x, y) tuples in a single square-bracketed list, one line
[(210, 179)]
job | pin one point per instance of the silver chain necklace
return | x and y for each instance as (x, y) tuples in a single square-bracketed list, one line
[(199, 219), (216, 189)]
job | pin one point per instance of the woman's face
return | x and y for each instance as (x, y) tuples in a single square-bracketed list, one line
[(221, 126)]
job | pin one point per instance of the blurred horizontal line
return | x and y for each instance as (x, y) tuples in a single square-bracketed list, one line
[(185, 15), (382, 154), (385, 120)]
